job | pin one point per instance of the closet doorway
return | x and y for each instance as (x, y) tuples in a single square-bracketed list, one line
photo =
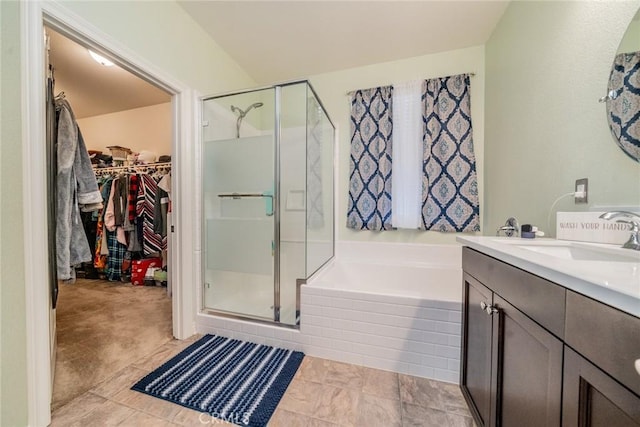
[(115, 306)]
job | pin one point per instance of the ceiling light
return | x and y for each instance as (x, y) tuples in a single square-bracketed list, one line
[(100, 59)]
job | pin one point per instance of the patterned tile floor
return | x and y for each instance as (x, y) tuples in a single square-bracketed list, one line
[(323, 393)]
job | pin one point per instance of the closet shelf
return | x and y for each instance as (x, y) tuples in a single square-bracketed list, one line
[(133, 168)]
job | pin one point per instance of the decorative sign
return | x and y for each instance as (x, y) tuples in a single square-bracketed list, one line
[(587, 227)]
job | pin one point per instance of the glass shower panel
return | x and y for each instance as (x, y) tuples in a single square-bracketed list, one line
[(293, 175), (238, 192), (319, 194)]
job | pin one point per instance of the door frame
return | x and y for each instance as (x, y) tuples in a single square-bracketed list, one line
[(185, 249)]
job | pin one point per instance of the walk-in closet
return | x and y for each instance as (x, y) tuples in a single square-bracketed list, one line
[(109, 148)]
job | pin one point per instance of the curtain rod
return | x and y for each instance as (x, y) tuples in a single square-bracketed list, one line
[(355, 90)]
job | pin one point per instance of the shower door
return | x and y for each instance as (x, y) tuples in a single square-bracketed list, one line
[(267, 200), (238, 205)]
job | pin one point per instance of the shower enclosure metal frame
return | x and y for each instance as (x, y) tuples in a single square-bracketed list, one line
[(277, 205)]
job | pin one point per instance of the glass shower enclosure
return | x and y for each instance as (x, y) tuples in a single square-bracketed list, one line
[(268, 162)]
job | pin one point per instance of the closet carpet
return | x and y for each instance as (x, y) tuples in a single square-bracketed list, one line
[(103, 327)]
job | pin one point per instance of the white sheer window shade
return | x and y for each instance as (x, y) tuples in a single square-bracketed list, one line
[(406, 179)]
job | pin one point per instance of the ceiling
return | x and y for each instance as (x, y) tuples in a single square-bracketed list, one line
[(93, 89), (276, 41)]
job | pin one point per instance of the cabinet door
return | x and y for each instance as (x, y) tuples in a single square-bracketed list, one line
[(592, 398), (607, 337), (529, 371), (476, 360)]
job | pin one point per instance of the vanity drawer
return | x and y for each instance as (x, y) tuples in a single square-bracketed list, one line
[(606, 336), (542, 300)]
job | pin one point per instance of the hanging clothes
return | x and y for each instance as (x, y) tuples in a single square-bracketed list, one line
[(161, 207), (76, 189), (152, 243), (135, 205), (116, 256), (135, 235), (52, 172), (100, 259)]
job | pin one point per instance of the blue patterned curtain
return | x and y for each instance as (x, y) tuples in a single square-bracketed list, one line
[(370, 161), (623, 105), (449, 183)]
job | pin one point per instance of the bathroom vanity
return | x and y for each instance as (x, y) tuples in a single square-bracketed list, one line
[(546, 339)]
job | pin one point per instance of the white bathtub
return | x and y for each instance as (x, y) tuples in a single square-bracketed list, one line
[(388, 306), (425, 281)]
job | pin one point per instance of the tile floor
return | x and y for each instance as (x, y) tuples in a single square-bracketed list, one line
[(323, 393), (103, 327)]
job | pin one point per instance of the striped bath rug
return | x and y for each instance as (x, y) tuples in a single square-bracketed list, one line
[(235, 381)]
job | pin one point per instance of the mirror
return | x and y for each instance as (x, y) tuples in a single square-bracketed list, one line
[(623, 92)]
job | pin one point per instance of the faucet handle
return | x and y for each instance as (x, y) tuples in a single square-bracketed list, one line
[(635, 224), (510, 227), (617, 214)]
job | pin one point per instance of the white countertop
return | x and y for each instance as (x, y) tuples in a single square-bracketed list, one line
[(614, 283)]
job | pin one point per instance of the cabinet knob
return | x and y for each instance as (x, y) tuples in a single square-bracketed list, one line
[(489, 309), (637, 364)]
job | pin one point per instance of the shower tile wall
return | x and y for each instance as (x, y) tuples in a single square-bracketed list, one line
[(405, 335)]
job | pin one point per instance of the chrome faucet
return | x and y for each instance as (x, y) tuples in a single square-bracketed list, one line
[(632, 219), (509, 228)]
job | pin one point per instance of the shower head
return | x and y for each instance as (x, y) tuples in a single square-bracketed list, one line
[(242, 113), (254, 105)]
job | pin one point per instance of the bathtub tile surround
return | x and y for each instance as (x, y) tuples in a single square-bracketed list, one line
[(411, 336), (395, 307)]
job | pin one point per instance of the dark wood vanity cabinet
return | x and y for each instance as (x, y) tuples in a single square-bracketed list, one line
[(593, 398), (511, 371), (478, 348), (530, 371), (601, 383), (528, 348)]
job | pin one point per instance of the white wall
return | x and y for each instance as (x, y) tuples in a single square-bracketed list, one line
[(146, 128), (332, 89), (548, 63)]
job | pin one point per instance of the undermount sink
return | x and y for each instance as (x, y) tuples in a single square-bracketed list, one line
[(579, 252)]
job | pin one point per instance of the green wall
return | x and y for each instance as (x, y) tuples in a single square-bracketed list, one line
[(13, 374), (547, 64), (162, 34)]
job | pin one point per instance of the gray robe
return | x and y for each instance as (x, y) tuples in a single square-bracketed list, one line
[(77, 189)]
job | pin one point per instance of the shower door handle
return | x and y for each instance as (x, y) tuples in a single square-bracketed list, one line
[(243, 195), (267, 195)]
